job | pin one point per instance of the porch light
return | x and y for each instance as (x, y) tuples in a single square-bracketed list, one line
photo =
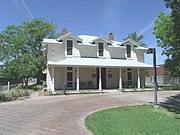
[(94, 74), (110, 74), (94, 71), (153, 51)]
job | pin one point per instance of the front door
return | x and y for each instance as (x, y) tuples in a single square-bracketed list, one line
[(129, 77), (103, 77), (69, 77)]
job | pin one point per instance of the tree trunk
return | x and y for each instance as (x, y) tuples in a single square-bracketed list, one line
[(38, 80), (22, 82), (26, 82)]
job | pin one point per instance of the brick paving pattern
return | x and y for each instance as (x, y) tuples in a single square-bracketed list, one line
[(63, 115)]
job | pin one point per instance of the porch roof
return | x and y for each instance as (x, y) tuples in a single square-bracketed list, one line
[(98, 62)]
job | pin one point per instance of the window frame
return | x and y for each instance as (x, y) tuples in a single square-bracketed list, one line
[(129, 82), (128, 52), (69, 47), (69, 70), (98, 48)]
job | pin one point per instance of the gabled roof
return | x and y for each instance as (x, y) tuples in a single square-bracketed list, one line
[(83, 39), (69, 35), (131, 41), (51, 41), (102, 38), (136, 44)]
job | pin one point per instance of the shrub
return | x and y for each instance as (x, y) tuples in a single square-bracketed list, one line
[(35, 87), (175, 87), (172, 87), (2, 97), (14, 94)]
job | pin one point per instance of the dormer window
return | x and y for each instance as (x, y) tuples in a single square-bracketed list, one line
[(128, 47), (69, 47), (101, 48)]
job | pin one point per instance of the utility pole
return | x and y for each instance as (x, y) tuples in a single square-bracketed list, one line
[(155, 77), (153, 51)]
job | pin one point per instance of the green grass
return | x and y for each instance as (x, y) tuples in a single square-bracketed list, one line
[(136, 120)]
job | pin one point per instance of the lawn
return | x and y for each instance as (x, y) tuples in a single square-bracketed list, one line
[(135, 120)]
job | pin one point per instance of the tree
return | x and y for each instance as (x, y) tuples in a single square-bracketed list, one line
[(21, 49), (175, 14), (137, 38), (167, 31)]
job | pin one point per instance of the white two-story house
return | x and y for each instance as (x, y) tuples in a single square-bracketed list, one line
[(91, 62)]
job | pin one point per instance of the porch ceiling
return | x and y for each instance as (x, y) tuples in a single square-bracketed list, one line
[(97, 62)]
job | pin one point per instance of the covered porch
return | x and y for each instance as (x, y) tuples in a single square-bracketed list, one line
[(79, 75)]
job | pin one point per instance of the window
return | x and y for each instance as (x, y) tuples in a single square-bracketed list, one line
[(69, 47), (101, 49), (69, 68), (128, 51)]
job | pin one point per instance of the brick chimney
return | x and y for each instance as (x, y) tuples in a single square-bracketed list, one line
[(111, 36), (63, 32)]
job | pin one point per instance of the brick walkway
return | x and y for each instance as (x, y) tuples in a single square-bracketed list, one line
[(63, 115)]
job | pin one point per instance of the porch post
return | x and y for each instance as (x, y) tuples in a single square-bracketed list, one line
[(52, 79), (100, 82), (77, 81), (120, 79), (138, 82)]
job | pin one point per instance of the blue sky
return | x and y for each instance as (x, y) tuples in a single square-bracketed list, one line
[(92, 17)]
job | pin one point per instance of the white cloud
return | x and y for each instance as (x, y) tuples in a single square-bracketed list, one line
[(147, 27), (23, 8), (112, 12), (27, 9), (150, 25)]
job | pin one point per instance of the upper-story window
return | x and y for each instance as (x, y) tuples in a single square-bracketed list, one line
[(69, 47), (101, 49), (128, 51)]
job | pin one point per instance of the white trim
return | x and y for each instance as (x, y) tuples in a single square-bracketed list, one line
[(70, 35), (98, 49), (97, 62), (72, 71), (52, 79), (139, 81), (130, 52), (66, 47), (77, 78), (131, 41), (102, 38), (100, 80), (108, 80), (120, 79)]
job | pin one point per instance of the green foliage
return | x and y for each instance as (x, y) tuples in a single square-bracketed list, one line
[(135, 120), (172, 87), (167, 30), (21, 49), (137, 38), (164, 33), (14, 94), (36, 87), (175, 86), (175, 7), (2, 97)]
